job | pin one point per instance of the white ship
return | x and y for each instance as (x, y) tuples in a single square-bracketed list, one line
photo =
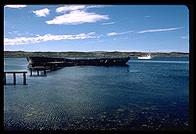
[(145, 57)]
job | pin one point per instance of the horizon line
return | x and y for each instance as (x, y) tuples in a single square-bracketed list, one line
[(102, 51)]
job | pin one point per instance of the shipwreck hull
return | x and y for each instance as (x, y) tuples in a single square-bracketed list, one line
[(49, 63)]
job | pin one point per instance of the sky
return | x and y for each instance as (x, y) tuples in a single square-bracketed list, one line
[(146, 28)]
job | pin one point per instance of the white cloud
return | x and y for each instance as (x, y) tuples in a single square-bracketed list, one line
[(66, 8), (42, 12), (115, 33), (108, 23), (76, 14), (112, 34), (69, 8), (77, 17), (17, 33), (159, 30), (15, 6), (47, 37)]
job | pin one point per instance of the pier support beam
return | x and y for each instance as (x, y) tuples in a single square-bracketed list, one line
[(41, 70), (14, 78), (44, 72), (4, 78), (30, 72), (37, 72), (24, 78)]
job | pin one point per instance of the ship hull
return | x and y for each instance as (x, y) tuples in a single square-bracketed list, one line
[(63, 62)]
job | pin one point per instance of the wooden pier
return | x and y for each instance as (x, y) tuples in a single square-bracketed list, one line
[(37, 69), (14, 76)]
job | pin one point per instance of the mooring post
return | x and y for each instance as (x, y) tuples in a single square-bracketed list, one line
[(24, 78), (14, 75), (4, 78)]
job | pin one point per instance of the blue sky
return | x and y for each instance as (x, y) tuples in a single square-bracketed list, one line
[(147, 28)]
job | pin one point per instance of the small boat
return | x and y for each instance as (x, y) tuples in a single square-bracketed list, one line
[(145, 57)]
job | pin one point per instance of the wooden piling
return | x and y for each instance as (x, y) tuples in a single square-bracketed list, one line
[(30, 72), (44, 72), (24, 78), (4, 78), (38, 69), (14, 78)]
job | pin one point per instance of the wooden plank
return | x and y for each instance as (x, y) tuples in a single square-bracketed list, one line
[(38, 68), (15, 71)]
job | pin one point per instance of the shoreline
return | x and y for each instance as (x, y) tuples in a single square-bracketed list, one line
[(95, 54)]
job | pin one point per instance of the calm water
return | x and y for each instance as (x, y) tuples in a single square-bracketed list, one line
[(147, 94)]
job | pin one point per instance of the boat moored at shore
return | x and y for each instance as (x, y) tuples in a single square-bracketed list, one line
[(145, 57)]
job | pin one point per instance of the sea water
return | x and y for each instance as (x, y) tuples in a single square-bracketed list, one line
[(147, 94)]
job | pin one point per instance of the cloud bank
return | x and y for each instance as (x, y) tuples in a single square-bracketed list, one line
[(76, 14), (77, 17), (47, 37)]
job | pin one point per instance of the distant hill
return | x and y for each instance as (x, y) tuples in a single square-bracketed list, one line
[(95, 54)]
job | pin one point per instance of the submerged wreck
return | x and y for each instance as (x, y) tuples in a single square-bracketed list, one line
[(56, 63)]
